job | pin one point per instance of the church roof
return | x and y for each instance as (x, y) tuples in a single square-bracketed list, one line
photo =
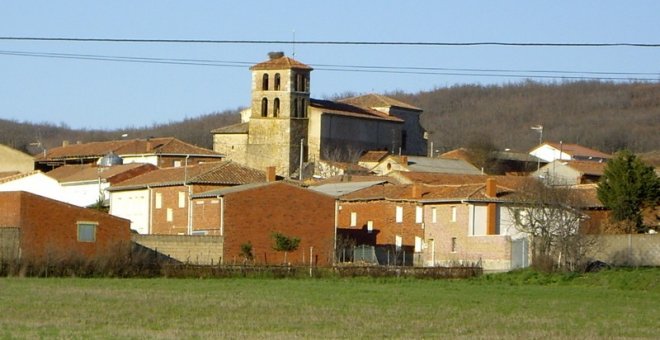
[(378, 100), (239, 128), (281, 63), (345, 109)]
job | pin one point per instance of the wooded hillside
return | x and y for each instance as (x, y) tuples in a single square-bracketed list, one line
[(601, 115)]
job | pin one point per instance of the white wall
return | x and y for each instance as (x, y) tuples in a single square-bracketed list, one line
[(37, 183), (133, 205), (150, 159), (84, 194)]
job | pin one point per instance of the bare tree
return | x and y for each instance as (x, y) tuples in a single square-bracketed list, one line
[(552, 217)]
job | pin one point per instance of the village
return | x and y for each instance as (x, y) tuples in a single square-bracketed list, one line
[(352, 181)]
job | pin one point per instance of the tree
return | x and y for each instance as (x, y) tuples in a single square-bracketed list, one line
[(246, 251), (628, 186), (285, 243), (551, 216)]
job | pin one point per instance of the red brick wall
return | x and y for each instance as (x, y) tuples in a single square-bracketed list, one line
[(49, 228), (253, 215), (170, 199), (206, 215), (383, 215)]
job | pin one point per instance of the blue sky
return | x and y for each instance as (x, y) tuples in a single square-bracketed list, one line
[(97, 94)]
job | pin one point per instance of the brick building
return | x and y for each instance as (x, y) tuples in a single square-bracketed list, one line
[(253, 212), (39, 228), (162, 152), (157, 202)]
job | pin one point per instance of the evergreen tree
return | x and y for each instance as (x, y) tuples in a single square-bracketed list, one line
[(627, 186)]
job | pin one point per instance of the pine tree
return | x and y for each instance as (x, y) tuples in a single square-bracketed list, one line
[(627, 186)]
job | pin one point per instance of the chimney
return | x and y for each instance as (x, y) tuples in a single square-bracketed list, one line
[(491, 188), (65, 143), (417, 190), (270, 174), (275, 55)]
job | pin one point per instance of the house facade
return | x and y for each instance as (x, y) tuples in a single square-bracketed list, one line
[(158, 202), (570, 173), (287, 128), (252, 213), (42, 229), (549, 152), (35, 182)]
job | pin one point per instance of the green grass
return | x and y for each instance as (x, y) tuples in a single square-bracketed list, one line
[(610, 304)]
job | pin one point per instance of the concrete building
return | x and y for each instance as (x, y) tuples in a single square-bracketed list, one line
[(36, 228), (285, 126)]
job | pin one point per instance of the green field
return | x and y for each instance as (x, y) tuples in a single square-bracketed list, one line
[(610, 304)]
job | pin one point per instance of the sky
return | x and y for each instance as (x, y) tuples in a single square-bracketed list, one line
[(82, 85)]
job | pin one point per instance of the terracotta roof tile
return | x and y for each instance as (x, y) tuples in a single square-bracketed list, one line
[(160, 145), (432, 178), (282, 63), (80, 173), (345, 109), (587, 167), (373, 100), (374, 156), (576, 150), (226, 173), (239, 128), (387, 191)]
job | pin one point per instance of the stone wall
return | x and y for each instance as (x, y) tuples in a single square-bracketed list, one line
[(195, 249)]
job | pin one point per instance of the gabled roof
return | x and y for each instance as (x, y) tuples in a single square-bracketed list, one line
[(240, 128), (441, 165), (19, 175), (575, 150), (345, 109), (431, 178), (8, 174), (338, 189), (217, 173), (584, 167), (427, 193), (373, 100), (81, 173), (154, 146), (281, 63)]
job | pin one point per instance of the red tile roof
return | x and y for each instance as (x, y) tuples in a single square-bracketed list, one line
[(373, 100), (345, 109), (160, 145), (387, 191), (282, 63), (576, 150), (587, 167), (374, 156), (80, 173), (433, 178), (218, 173)]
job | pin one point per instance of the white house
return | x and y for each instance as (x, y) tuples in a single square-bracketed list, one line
[(35, 182), (549, 152)]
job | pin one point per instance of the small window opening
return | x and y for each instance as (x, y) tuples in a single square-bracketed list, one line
[(276, 85), (264, 82), (264, 107), (276, 107)]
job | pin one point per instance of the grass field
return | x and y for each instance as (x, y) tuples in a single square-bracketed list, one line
[(610, 304)]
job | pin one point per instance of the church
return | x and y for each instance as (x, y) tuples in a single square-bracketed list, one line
[(286, 128)]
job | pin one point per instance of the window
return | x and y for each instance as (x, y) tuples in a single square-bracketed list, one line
[(434, 215), (418, 244), (299, 83), (353, 219), (453, 214), (370, 226), (453, 244), (399, 214), (264, 107), (87, 231), (303, 109), (177, 164), (404, 139), (276, 107), (170, 215), (182, 199), (264, 82), (419, 215), (276, 86), (295, 107), (159, 200), (398, 242)]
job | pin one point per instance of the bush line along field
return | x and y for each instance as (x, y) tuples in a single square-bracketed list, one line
[(527, 304)]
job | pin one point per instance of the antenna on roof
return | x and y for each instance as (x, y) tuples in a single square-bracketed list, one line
[(293, 45)]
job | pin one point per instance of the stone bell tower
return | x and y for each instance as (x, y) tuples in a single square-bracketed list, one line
[(278, 117)]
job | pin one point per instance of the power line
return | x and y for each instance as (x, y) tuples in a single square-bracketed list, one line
[(475, 72), (329, 42)]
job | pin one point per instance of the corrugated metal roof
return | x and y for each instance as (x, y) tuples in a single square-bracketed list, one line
[(342, 188)]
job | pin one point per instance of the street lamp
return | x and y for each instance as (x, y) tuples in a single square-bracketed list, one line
[(538, 128)]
